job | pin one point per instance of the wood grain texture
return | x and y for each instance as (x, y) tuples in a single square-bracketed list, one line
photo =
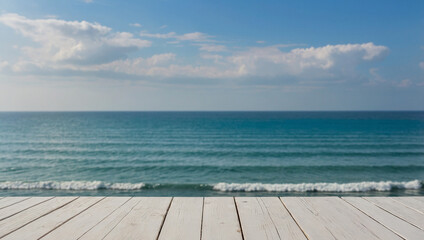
[(184, 219), (103, 228), (80, 224), (211, 218), (399, 210), (220, 220), (397, 225), (333, 218), (143, 221), (5, 202), (23, 218), (412, 202), (51, 221), (21, 206), (284, 223), (256, 222)]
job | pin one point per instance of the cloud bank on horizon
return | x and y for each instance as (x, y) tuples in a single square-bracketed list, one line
[(89, 47)]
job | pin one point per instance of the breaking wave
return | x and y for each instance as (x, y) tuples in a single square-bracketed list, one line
[(318, 187), (223, 187), (69, 185)]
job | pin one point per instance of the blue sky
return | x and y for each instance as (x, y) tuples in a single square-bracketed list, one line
[(211, 55)]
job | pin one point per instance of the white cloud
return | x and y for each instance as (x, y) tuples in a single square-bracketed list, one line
[(163, 66), (404, 83), (194, 36), (272, 61), (135, 24), (91, 48), (133, 66), (72, 41), (125, 39), (421, 65), (204, 41), (375, 77), (260, 42), (158, 35), (160, 59), (3, 64), (88, 1), (212, 47), (163, 26), (215, 57), (303, 63)]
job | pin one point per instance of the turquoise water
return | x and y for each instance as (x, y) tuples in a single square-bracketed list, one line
[(211, 153)]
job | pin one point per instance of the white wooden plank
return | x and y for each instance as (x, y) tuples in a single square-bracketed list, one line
[(8, 201), (333, 218), (399, 210), (308, 219), (21, 206), (108, 224), (183, 220), (220, 220), (45, 224), (394, 223), (319, 218), (255, 220), (25, 217), (411, 202), (284, 223), (80, 224), (144, 221)]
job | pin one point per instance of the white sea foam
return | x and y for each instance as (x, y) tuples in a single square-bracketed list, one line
[(225, 187), (317, 187), (69, 185)]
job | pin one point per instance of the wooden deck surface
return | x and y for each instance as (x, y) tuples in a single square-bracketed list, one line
[(210, 218)]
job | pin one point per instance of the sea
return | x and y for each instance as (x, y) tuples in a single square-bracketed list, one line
[(212, 153)]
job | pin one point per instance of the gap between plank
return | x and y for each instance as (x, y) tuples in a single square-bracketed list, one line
[(48, 199), (406, 205), (72, 217), (238, 217), (104, 218), (201, 221), (393, 214), (121, 220), (291, 215), (164, 218), (269, 215), (15, 202), (39, 216), (372, 217)]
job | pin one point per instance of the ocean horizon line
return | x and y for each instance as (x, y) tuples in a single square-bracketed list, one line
[(193, 111)]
